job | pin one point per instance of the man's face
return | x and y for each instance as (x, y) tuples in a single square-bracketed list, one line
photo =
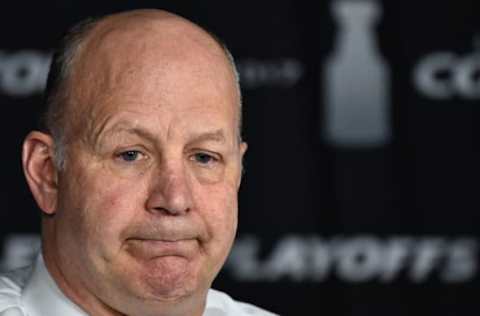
[(147, 201)]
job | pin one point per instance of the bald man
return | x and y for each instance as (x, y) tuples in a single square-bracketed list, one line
[(136, 170)]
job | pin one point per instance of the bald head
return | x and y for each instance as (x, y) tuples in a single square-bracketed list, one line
[(106, 54)]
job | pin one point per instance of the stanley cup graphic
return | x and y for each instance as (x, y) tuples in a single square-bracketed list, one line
[(356, 80)]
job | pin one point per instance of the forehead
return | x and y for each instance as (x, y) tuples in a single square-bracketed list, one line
[(158, 67)]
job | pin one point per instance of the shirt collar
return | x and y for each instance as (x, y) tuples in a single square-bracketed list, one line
[(41, 295)]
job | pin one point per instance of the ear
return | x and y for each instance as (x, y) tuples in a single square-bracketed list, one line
[(243, 149), (39, 169)]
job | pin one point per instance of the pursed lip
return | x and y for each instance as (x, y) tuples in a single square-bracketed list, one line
[(162, 247)]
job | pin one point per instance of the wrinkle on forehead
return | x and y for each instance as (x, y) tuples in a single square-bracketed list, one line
[(140, 48)]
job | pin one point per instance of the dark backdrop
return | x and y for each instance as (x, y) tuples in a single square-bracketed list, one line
[(359, 193)]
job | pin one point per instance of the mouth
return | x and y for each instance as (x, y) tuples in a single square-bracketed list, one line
[(154, 248)]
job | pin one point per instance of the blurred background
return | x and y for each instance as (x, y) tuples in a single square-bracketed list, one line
[(359, 196)]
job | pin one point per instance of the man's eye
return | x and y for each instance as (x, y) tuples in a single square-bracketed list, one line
[(130, 155), (204, 158)]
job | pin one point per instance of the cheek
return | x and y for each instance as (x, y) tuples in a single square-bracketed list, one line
[(105, 208), (219, 206), (112, 207)]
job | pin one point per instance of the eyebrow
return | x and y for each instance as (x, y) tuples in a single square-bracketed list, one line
[(215, 136), (131, 130)]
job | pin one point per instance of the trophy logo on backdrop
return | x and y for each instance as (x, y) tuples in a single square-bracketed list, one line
[(356, 80)]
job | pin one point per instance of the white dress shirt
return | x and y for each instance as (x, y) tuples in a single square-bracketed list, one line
[(31, 291)]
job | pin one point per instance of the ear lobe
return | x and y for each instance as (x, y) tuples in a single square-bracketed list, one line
[(40, 171)]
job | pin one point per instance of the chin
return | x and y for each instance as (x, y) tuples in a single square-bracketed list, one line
[(172, 279)]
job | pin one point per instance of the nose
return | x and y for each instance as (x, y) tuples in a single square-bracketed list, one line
[(171, 191)]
